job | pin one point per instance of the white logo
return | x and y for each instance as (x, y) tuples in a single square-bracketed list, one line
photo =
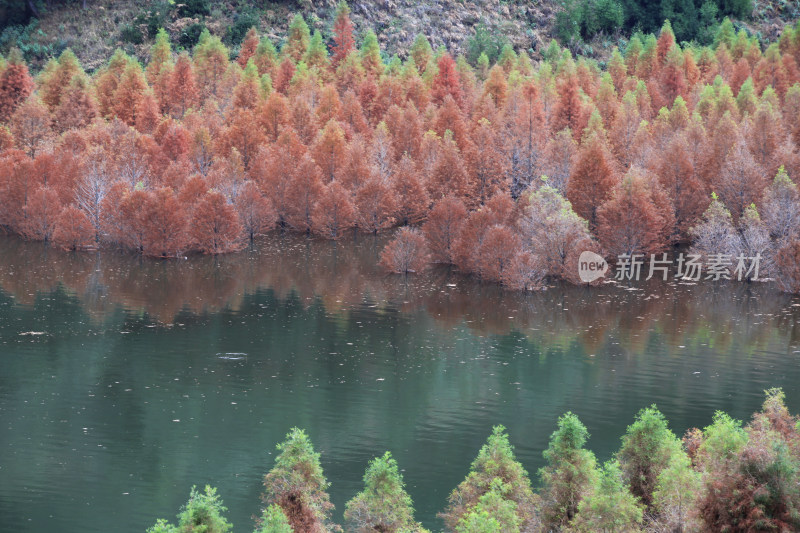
[(591, 266)]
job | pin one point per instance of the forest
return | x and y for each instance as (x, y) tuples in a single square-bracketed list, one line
[(507, 171), (726, 477)]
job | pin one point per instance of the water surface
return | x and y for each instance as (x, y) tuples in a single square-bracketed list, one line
[(123, 381)]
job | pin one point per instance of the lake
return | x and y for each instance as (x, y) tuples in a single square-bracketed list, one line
[(123, 380)]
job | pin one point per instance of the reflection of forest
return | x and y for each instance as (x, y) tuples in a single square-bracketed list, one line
[(343, 276)]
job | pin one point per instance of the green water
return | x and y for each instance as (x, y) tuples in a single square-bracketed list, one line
[(124, 381)]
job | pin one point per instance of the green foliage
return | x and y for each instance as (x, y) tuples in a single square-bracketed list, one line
[(31, 41), (203, 513), (676, 492), (190, 35), (421, 51), (587, 18), (648, 447), (383, 505), (194, 8), (495, 461), (484, 41), (722, 440), (243, 21), (162, 526), (571, 470), (493, 512), (273, 520), (130, 33), (610, 507), (154, 18), (296, 482)]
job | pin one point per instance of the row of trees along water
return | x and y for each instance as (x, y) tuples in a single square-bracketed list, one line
[(506, 171), (726, 477)]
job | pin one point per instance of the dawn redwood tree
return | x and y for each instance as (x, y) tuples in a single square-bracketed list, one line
[(41, 213), (443, 228), (124, 217), (147, 113), (272, 169), (569, 111), (183, 91), (211, 63), (298, 486), (592, 179), (256, 213), (787, 266), (485, 164), (242, 135), (248, 48), (107, 80), (203, 512), (570, 474), (16, 85), (215, 227), (333, 213), (715, 233), (675, 498), (495, 463), (610, 507), (446, 82), (15, 186), (383, 505), (93, 185), (165, 229), (498, 249), (31, 126), (297, 40), (375, 206), (492, 512), (781, 208), (77, 107), (635, 218), (676, 174), (273, 520), (343, 41), (407, 252), (129, 92), (73, 230), (758, 490), (284, 75), (304, 189), (648, 448), (449, 174), (246, 95), (55, 81), (557, 160), (330, 151), (409, 194)]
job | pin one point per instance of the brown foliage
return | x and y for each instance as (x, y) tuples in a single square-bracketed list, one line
[(407, 252)]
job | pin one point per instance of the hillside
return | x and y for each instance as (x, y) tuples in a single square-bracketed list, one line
[(94, 28)]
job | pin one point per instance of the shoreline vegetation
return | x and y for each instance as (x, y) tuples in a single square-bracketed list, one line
[(725, 477), (508, 171)]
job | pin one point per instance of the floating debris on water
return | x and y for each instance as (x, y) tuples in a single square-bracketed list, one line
[(232, 356)]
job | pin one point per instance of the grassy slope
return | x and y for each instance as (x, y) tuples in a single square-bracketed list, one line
[(93, 33)]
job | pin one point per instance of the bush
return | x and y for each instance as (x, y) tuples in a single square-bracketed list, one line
[(194, 8), (130, 33), (587, 18), (155, 18), (29, 39), (244, 21), (190, 35), (484, 41)]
